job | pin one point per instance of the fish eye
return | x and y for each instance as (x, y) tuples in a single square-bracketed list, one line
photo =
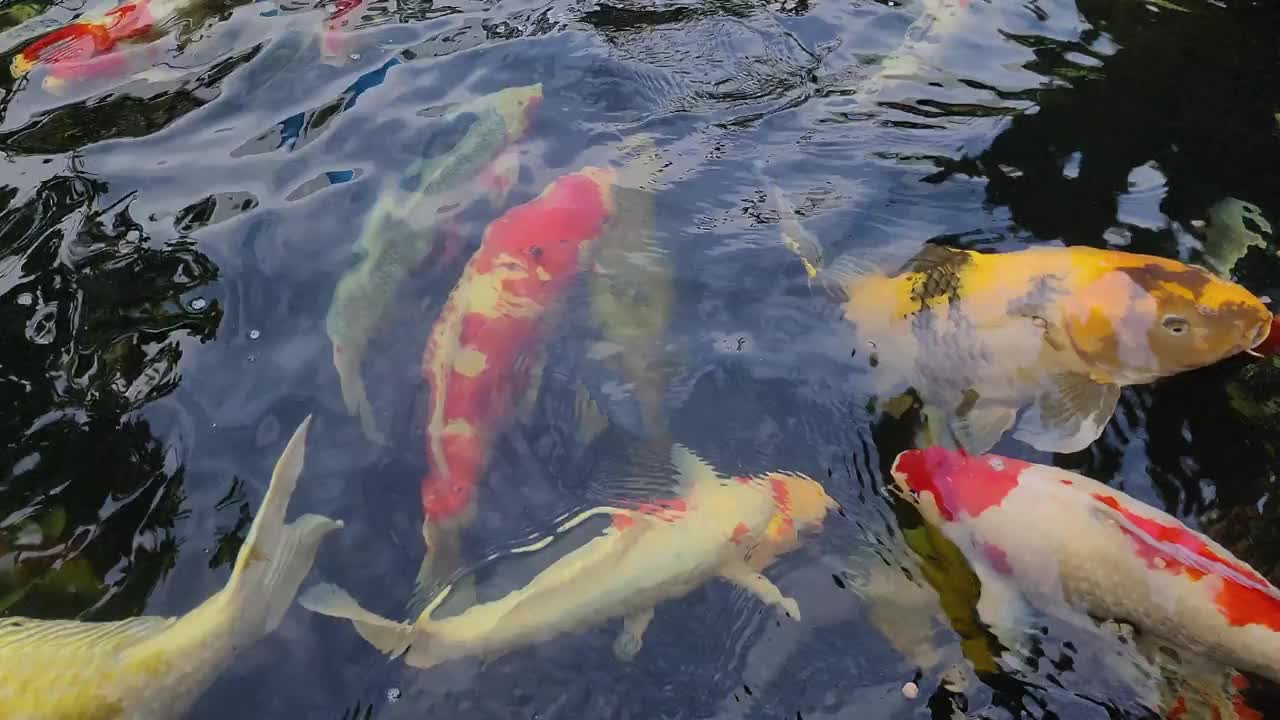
[(1175, 325)]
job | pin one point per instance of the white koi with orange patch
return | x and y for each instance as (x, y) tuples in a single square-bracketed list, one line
[(651, 552)]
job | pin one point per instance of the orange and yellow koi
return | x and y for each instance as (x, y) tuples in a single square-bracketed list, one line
[(730, 528), (479, 358), (85, 48), (1041, 339), (1071, 546)]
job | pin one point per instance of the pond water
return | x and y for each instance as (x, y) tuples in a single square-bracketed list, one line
[(171, 235)]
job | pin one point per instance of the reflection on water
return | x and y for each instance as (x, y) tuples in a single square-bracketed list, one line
[(173, 230)]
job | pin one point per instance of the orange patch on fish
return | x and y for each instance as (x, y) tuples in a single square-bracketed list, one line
[(740, 533), (621, 521), (1245, 597)]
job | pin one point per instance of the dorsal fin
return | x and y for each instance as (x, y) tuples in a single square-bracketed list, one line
[(72, 637)]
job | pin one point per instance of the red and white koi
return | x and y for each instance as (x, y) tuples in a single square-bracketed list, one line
[(1070, 545)]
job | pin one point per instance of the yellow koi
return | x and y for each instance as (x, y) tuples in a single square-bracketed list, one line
[(155, 667)]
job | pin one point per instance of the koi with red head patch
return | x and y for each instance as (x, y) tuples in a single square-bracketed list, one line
[(726, 528), (76, 51), (478, 360), (1072, 545)]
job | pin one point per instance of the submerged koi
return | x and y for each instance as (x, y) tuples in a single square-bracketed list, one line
[(82, 49), (403, 229), (152, 667), (1070, 545), (334, 40), (1042, 338), (719, 527), (480, 355)]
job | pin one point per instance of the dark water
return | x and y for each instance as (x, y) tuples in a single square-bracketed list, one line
[(169, 244)]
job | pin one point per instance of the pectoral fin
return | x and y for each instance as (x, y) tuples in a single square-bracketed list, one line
[(978, 430), (1069, 413), (631, 639), (763, 588)]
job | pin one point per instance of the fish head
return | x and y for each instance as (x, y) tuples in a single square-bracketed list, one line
[(800, 498), (950, 485), (516, 105), (550, 234), (1157, 317)]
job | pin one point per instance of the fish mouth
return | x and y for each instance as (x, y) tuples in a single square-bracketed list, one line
[(1260, 334)]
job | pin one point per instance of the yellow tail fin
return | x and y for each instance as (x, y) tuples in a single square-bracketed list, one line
[(276, 557)]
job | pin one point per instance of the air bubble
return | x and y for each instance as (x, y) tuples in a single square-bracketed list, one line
[(26, 299), (199, 304), (996, 464), (393, 694), (254, 334)]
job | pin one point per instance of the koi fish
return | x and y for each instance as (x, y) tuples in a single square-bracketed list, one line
[(480, 356), (334, 41), (632, 293), (84, 48), (154, 667), (730, 528), (1075, 548), (402, 230), (1042, 338)]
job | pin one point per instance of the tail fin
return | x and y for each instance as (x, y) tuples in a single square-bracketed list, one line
[(390, 637), (276, 557), (441, 562)]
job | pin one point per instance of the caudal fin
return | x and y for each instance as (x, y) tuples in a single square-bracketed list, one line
[(276, 557), (390, 637), (354, 395), (441, 561)]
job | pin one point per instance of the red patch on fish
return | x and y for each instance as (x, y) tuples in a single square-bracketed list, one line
[(997, 558), (959, 483), (529, 257), (1245, 598), (622, 521), (68, 50), (1179, 709), (1243, 712), (740, 532), (669, 510), (782, 500), (1271, 344)]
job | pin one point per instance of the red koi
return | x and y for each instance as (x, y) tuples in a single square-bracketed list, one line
[(67, 51), (477, 360)]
